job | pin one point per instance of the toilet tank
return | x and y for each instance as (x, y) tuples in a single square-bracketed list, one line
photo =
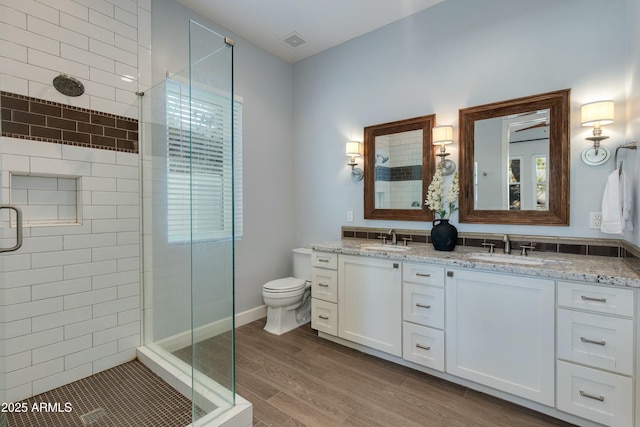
[(302, 263)]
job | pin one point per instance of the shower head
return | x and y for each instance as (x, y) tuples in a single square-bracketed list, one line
[(383, 159), (68, 85)]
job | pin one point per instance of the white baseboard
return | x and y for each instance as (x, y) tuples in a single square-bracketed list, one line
[(251, 315), (183, 339)]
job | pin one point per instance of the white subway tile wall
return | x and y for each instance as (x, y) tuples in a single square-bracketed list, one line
[(72, 284), (105, 44), (72, 292)]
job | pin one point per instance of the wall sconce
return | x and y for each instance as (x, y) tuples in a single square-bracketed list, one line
[(443, 135), (353, 151), (596, 114)]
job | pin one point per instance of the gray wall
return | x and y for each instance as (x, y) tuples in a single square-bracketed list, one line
[(632, 114), (264, 81), (458, 54)]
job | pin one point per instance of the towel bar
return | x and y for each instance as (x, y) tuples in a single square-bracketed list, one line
[(631, 146)]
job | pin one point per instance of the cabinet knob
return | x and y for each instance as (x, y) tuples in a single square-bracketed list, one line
[(449, 273)]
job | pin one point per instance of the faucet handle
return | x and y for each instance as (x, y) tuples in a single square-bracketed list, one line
[(384, 238), (491, 246), (524, 248), (406, 240)]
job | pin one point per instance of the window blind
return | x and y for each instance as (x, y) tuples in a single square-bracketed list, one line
[(204, 169)]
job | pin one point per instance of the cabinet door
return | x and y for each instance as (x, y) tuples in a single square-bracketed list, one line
[(324, 316), (603, 342), (500, 332), (424, 346), (423, 305), (599, 396), (324, 284), (370, 302)]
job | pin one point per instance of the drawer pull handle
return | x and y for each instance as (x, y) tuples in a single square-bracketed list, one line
[(324, 285), (323, 317), (586, 298), (591, 396), (423, 275), (587, 340), (422, 305), (424, 347), (323, 260)]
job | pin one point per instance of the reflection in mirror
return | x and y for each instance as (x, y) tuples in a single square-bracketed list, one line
[(398, 172), (398, 168), (514, 161), (511, 155)]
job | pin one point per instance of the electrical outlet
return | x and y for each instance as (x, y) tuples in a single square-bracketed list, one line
[(595, 219), (350, 216)]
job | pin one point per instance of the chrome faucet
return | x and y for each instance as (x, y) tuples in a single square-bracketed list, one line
[(507, 244), (394, 238)]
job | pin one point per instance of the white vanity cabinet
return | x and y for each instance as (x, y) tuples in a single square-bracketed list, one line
[(423, 315), (324, 292), (370, 302), (595, 341), (500, 332)]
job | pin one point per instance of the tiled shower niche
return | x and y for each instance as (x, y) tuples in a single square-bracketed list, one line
[(46, 200)]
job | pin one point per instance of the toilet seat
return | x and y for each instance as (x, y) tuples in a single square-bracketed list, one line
[(288, 284)]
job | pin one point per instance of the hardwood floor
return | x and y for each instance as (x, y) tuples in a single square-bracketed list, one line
[(298, 379)]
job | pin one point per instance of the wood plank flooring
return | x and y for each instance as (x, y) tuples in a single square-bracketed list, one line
[(298, 379)]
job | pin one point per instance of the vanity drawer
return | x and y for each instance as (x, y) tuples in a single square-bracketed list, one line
[(598, 396), (603, 342), (324, 316), (600, 299), (324, 284), (424, 346), (423, 305), (423, 273), (324, 260)]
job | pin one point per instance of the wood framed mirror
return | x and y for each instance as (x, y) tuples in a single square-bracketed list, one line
[(398, 167), (514, 161)]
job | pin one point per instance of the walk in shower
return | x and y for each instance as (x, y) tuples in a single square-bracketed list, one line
[(188, 227)]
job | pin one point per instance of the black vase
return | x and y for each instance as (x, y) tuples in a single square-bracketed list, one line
[(443, 235)]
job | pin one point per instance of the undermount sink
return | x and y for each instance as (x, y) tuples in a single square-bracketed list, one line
[(386, 248), (507, 259)]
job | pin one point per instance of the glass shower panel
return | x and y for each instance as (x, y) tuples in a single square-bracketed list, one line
[(212, 214), (187, 209)]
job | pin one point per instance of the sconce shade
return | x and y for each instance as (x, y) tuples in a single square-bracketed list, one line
[(597, 113), (442, 135), (353, 148)]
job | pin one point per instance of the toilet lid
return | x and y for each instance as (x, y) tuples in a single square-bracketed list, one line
[(284, 285)]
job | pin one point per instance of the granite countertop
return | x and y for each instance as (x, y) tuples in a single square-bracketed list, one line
[(584, 268)]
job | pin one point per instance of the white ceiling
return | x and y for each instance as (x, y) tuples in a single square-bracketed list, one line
[(322, 23)]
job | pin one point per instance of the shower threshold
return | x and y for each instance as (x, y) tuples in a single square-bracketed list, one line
[(211, 397)]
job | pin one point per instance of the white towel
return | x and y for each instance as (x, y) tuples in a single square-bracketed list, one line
[(616, 204)]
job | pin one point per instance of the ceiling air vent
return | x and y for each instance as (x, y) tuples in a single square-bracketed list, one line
[(294, 40)]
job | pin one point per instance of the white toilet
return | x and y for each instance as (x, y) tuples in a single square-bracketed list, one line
[(288, 300)]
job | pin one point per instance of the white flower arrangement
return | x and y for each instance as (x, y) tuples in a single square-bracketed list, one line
[(443, 206)]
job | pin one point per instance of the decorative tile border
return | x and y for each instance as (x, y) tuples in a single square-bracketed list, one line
[(24, 117), (579, 246)]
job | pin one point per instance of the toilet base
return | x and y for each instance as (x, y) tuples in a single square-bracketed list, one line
[(284, 319)]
